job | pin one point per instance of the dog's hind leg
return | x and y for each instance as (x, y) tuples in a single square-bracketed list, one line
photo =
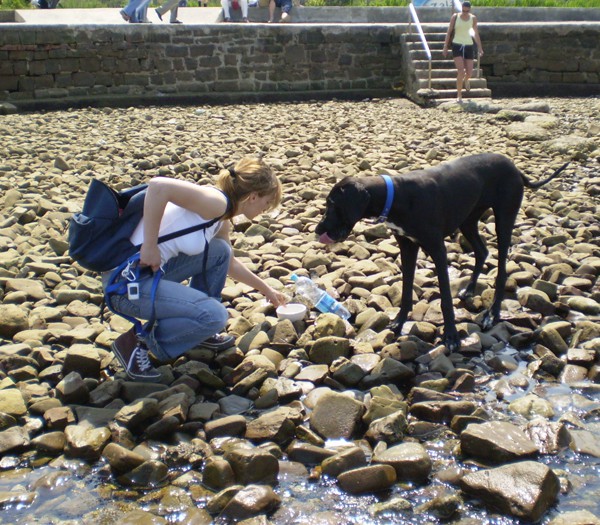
[(505, 222), (408, 258), (470, 229)]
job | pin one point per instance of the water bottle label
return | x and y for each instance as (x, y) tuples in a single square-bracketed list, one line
[(326, 304)]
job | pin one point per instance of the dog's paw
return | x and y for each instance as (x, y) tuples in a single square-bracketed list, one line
[(396, 327), (465, 293), (452, 342), (489, 320)]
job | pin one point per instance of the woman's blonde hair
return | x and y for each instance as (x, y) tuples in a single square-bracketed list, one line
[(249, 175)]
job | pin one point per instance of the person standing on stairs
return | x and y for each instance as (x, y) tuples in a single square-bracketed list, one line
[(463, 33)]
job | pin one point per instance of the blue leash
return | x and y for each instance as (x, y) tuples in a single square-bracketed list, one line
[(389, 198), (131, 271)]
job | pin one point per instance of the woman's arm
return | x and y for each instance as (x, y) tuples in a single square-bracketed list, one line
[(448, 40), (204, 200), (476, 33), (240, 272)]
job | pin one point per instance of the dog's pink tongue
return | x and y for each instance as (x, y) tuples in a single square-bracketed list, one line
[(325, 239)]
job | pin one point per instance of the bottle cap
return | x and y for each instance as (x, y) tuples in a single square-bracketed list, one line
[(294, 277)]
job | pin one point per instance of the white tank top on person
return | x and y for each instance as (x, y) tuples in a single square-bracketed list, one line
[(176, 218), (463, 31)]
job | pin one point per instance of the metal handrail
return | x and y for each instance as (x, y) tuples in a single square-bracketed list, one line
[(415, 19), (458, 7)]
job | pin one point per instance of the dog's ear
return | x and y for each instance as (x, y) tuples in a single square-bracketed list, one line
[(357, 198)]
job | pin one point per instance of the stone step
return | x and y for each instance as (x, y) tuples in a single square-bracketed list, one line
[(446, 63), (430, 37), (436, 54), (450, 83), (466, 100), (436, 73), (451, 93)]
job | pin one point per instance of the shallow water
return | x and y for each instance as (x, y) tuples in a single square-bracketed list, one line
[(74, 492)]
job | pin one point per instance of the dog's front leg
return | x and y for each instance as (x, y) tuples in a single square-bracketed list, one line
[(408, 258), (440, 259)]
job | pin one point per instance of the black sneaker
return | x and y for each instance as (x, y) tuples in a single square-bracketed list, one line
[(218, 342), (133, 356)]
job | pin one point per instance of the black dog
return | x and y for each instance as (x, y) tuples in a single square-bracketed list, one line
[(427, 205)]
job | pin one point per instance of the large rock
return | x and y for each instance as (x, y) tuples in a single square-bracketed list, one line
[(374, 478), (251, 501), (496, 442), (336, 416), (253, 465), (410, 460), (525, 490)]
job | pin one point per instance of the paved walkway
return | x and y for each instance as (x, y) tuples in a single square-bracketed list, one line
[(188, 15)]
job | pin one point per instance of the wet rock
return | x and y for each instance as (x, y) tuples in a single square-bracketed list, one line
[(133, 415), (525, 490), (277, 426), (218, 473), (389, 429), (336, 416), (121, 459), (253, 466), (351, 458), (250, 501), (13, 439), (85, 442), (441, 411), (52, 443), (576, 517), (410, 460), (584, 442), (374, 478), (150, 473), (497, 442), (531, 406)]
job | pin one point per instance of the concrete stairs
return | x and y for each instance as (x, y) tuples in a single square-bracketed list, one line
[(443, 72)]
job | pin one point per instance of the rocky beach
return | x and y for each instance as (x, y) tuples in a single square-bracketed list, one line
[(320, 420)]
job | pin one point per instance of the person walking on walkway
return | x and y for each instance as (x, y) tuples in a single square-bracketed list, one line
[(172, 5), (462, 34), (228, 4)]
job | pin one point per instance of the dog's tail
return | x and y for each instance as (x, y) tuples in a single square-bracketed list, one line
[(539, 183)]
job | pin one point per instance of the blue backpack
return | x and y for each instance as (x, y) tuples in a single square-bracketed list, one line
[(99, 234)]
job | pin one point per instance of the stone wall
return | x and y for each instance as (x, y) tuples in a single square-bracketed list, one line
[(41, 63), (542, 59), (57, 65)]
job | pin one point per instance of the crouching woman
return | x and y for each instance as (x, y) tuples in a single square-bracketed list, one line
[(186, 316)]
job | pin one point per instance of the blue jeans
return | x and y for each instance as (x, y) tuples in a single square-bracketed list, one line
[(185, 315)]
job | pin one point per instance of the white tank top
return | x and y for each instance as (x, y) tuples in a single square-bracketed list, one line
[(174, 219), (462, 31)]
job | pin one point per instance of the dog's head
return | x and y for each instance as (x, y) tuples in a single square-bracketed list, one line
[(346, 204)]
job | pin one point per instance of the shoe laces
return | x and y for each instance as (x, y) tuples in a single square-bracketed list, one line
[(141, 356)]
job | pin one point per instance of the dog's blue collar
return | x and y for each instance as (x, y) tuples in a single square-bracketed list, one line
[(389, 198)]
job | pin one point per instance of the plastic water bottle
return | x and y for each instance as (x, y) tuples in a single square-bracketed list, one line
[(320, 299)]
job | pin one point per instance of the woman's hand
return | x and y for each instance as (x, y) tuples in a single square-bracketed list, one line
[(445, 52), (276, 298), (150, 256)]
